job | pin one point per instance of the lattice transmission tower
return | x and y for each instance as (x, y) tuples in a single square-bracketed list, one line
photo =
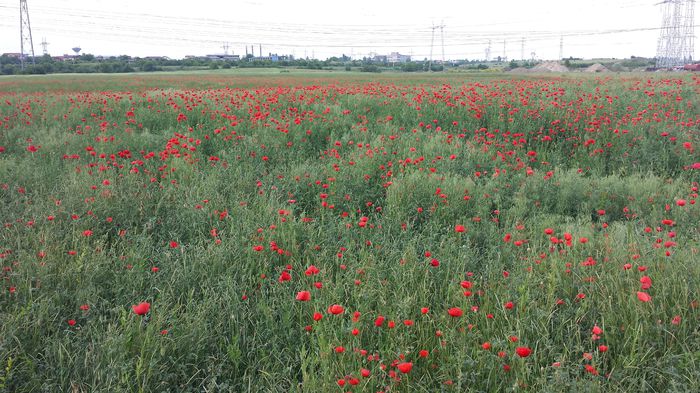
[(25, 32), (676, 44), (432, 42)]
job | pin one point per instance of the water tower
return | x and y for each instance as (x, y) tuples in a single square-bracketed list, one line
[(77, 50)]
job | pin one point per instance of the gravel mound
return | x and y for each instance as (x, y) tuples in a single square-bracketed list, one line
[(597, 67)]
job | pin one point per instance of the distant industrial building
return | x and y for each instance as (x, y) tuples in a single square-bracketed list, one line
[(396, 57), (393, 57), (221, 57), (273, 57), (65, 57), (379, 58), (157, 58)]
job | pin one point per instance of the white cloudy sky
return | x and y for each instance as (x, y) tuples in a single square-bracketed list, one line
[(318, 28)]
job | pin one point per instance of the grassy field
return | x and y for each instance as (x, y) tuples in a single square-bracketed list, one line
[(234, 78), (296, 231)]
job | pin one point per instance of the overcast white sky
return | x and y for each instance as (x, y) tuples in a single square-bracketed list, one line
[(320, 29)]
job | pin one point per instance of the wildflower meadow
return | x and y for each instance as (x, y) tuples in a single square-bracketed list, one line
[(329, 232)]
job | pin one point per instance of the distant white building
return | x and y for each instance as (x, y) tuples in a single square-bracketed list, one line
[(396, 57), (223, 57)]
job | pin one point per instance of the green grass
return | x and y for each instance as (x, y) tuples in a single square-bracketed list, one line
[(343, 171), (236, 78)]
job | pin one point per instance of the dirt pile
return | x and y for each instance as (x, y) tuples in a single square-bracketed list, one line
[(547, 66), (550, 66), (597, 67)]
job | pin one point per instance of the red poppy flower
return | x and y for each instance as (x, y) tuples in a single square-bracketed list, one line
[(643, 296), (311, 270), (405, 367), (141, 308), (303, 296), (591, 369), (284, 276), (646, 282), (335, 309), (523, 352), (379, 321), (460, 228), (455, 312)]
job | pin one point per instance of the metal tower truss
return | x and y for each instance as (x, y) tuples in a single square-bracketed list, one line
[(676, 45), (25, 32)]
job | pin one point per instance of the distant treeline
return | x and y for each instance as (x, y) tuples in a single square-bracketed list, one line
[(87, 63)]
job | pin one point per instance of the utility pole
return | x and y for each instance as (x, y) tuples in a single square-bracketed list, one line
[(505, 58), (488, 51), (225, 47), (522, 49), (25, 33)]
